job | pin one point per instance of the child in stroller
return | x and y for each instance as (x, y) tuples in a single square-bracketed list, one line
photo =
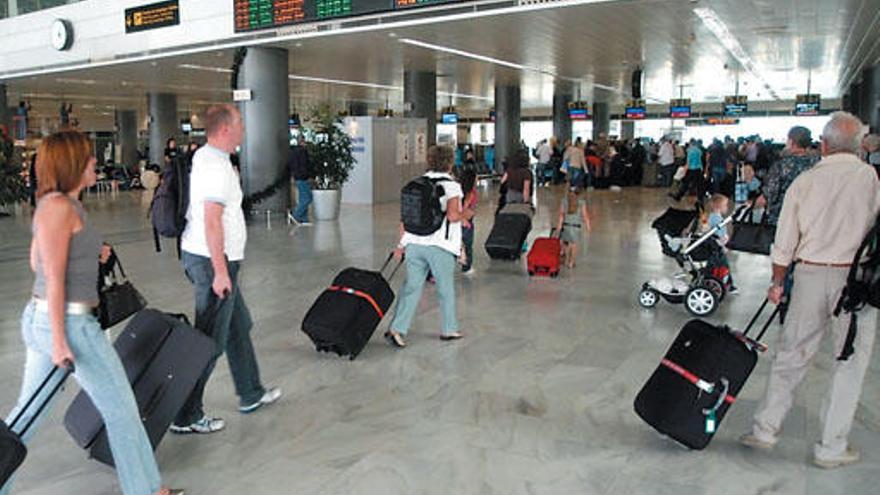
[(698, 255)]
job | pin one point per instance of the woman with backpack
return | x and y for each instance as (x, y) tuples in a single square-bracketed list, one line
[(433, 252)]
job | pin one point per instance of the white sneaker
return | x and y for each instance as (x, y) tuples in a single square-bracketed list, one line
[(751, 441), (271, 395), (470, 272), (850, 456), (203, 426)]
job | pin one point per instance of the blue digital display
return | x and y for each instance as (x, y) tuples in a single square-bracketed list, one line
[(449, 118)]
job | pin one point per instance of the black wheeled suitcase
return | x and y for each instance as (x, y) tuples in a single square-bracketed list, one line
[(509, 232), (163, 357), (12, 449), (698, 380), (346, 314)]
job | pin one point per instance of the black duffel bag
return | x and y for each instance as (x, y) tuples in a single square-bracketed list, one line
[(750, 236), (118, 297)]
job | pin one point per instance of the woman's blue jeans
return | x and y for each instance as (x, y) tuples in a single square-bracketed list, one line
[(101, 375)]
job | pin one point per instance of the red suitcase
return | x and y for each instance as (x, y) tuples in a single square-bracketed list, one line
[(544, 257)]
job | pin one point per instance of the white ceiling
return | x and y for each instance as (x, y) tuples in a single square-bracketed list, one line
[(587, 47)]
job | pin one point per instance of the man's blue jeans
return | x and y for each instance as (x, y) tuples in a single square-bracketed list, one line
[(303, 200), (228, 322), (101, 375)]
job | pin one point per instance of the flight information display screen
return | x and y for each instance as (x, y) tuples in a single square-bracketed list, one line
[(262, 14)]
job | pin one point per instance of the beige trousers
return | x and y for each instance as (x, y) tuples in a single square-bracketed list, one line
[(813, 299)]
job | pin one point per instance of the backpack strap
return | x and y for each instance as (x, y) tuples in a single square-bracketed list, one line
[(853, 297)]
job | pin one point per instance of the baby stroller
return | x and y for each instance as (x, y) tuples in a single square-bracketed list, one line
[(699, 286)]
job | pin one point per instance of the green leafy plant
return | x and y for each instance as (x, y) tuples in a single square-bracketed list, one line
[(329, 148), (13, 188)]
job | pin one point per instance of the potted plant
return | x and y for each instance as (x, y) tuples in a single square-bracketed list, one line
[(13, 189), (331, 158)]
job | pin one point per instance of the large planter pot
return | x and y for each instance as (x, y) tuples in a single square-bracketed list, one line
[(326, 204)]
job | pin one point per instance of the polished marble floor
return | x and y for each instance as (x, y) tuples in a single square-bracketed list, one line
[(537, 399)]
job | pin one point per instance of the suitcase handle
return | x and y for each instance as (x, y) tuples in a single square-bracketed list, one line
[(385, 265), (766, 324), (36, 394)]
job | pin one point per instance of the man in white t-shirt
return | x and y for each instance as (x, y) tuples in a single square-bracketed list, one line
[(666, 159), (212, 248), (435, 254), (544, 154)]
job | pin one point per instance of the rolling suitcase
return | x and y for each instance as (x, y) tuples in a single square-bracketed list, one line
[(12, 449), (509, 232), (163, 357), (543, 258), (346, 314), (698, 380)]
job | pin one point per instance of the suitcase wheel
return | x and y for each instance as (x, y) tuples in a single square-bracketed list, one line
[(554, 274), (531, 273)]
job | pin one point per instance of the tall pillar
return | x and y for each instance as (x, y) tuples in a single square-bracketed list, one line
[(561, 120), (163, 124), (855, 98), (266, 134), (507, 123), (126, 129), (5, 115), (870, 107), (420, 99), (601, 119), (627, 129)]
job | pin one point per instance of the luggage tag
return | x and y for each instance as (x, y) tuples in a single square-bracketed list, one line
[(711, 423)]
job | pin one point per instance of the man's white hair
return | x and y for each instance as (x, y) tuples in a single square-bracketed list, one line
[(843, 133)]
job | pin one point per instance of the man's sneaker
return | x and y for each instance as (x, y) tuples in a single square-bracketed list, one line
[(203, 426), (469, 271), (271, 395), (851, 456), (733, 290), (754, 442)]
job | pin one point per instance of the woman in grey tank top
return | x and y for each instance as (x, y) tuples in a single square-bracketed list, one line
[(59, 326)]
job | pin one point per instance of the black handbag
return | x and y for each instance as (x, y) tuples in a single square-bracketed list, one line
[(752, 237), (118, 297)]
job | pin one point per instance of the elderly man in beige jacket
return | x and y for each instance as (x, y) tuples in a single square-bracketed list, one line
[(826, 213)]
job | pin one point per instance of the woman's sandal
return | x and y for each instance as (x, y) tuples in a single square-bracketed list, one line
[(395, 339)]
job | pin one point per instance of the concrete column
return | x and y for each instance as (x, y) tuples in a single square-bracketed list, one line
[(13, 8), (561, 120), (5, 115), (420, 99), (266, 135), (627, 129), (601, 119), (855, 98), (163, 124), (870, 108), (126, 123), (358, 109), (507, 122)]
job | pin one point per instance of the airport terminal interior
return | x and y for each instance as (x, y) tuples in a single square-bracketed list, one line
[(538, 396)]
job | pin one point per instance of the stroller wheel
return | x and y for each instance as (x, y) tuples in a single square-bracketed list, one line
[(700, 301), (648, 298), (716, 286)]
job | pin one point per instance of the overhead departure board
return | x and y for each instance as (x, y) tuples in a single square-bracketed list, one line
[(262, 14)]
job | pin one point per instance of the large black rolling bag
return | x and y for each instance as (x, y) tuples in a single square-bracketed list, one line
[(12, 449), (346, 314), (509, 232), (163, 357), (698, 380)]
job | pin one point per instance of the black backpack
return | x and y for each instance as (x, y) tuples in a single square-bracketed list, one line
[(862, 286), (420, 208), (170, 202)]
